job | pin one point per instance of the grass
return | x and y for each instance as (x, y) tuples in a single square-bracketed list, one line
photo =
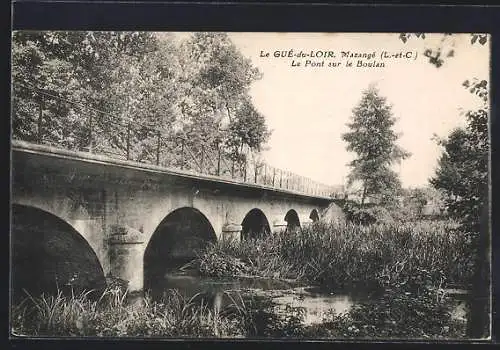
[(421, 254), (391, 316), (114, 315), (409, 262), (175, 316)]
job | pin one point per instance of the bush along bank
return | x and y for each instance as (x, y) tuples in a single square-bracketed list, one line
[(394, 315)]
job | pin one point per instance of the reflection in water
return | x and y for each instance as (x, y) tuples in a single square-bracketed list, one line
[(213, 288), (316, 307), (316, 304), (196, 284), (460, 311)]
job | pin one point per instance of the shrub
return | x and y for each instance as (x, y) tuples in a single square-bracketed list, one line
[(354, 213), (217, 261), (397, 315), (368, 214)]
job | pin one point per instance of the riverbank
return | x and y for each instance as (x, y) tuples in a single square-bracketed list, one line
[(255, 314), (403, 270)]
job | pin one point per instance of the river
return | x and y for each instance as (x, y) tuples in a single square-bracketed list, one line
[(314, 302)]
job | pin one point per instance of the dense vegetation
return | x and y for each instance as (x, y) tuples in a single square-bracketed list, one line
[(133, 93), (404, 267), (423, 254), (461, 178), (390, 316)]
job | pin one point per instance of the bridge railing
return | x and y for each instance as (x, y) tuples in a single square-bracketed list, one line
[(83, 128)]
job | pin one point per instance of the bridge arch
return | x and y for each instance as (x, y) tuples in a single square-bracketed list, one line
[(292, 221), (175, 242), (314, 216), (255, 225), (50, 255)]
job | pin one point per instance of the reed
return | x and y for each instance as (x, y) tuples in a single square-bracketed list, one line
[(338, 255), (174, 316), (115, 315)]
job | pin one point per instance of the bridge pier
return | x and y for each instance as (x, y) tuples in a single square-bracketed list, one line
[(231, 232), (279, 226), (126, 256)]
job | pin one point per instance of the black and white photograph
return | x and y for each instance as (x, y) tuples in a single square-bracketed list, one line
[(250, 185)]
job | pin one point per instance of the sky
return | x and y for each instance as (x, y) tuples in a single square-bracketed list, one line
[(307, 108)]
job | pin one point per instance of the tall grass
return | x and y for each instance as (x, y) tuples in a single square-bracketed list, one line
[(409, 263), (114, 315), (338, 255)]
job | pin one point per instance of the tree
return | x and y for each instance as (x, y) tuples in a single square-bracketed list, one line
[(462, 172), (215, 105), (141, 99), (61, 79), (466, 185), (446, 47), (134, 93), (416, 200), (373, 140), (246, 128)]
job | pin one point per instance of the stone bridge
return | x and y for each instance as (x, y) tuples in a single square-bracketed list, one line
[(77, 217)]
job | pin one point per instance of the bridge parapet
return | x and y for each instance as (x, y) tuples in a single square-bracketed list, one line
[(150, 144)]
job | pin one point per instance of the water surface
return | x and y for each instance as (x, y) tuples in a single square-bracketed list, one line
[(315, 303)]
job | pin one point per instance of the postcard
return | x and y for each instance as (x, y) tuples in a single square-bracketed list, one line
[(250, 185)]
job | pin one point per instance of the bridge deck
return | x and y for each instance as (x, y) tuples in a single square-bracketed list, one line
[(50, 151)]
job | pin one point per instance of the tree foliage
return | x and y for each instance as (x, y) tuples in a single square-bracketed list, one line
[(444, 50), (371, 137), (247, 127), (420, 202), (466, 184), (216, 103), (462, 171), (129, 87), (67, 76)]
